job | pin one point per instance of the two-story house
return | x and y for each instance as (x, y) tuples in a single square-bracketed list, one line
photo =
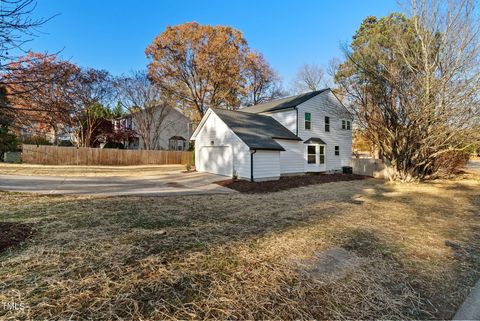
[(311, 132), (164, 127)]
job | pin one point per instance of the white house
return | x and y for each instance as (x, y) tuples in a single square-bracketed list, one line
[(310, 132)]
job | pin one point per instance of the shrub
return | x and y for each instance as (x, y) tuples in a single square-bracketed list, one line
[(8, 141), (65, 143), (450, 163), (114, 145), (36, 140)]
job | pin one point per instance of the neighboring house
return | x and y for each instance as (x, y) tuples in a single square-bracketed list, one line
[(169, 128), (40, 130), (305, 133)]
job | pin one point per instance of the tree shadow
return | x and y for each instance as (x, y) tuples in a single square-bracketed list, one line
[(171, 229)]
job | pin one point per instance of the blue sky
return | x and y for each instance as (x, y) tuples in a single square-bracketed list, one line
[(113, 34)]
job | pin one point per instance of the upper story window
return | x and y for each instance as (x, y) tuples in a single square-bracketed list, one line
[(346, 124), (327, 124), (337, 150), (308, 121)]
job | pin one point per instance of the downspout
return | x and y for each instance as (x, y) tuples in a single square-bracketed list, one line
[(251, 164), (296, 109)]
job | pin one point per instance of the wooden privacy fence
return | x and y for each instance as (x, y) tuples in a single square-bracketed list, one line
[(53, 155), (368, 167)]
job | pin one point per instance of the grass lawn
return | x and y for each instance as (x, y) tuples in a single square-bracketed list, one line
[(412, 251), (88, 171)]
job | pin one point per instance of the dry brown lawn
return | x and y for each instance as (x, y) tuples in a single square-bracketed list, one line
[(88, 171), (240, 256)]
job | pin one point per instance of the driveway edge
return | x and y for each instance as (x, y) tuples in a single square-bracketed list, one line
[(470, 309)]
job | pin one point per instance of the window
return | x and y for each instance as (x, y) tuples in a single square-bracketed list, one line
[(322, 154), (346, 124), (327, 124), (337, 150), (308, 121), (311, 154), (176, 143)]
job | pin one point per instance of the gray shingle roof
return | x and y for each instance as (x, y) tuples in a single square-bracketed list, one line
[(257, 131), (283, 103)]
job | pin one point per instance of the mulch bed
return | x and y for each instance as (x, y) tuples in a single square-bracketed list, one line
[(12, 234), (285, 183)]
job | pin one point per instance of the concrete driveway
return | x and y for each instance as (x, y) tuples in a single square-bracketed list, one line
[(474, 165), (174, 183)]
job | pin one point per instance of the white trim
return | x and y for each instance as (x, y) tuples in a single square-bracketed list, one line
[(202, 122)]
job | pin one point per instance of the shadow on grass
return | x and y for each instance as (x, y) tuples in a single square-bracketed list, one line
[(171, 229)]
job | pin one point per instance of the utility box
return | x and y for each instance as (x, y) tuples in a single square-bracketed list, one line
[(12, 157)]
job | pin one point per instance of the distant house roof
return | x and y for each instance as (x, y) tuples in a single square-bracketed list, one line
[(135, 111), (177, 138), (257, 131), (284, 103), (315, 140)]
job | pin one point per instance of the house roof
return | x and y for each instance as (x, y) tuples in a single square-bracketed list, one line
[(284, 103), (315, 140), (177, 138), (134, 112), (257, 131)]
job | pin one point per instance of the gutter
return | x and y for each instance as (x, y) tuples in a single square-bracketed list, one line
[(296, 109), (251, 164)]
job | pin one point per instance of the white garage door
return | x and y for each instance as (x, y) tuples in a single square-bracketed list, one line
[(216, 160)]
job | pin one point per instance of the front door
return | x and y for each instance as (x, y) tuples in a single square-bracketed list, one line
[(315, 158)]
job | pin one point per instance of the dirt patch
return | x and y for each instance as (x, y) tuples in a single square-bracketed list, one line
[(12, 234), (285, 183), (331, 264)]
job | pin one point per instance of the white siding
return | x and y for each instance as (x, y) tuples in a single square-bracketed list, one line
[(271, 164), (287, 118), (292, 160), (326, 104), (215, 159), (215, 130), (173, 124), (176, 124), (266, 165)]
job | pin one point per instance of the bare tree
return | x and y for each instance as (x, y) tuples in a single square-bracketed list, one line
[(93, 93), (262, 83), (16, 27), (309, 77), (414, 84), (146, 106)]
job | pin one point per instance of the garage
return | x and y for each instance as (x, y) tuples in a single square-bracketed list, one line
[(216, 160)]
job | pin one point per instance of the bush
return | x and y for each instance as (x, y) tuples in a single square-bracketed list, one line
[(8, 142), (36, 140), (450, 163), (65, 143), (114, 145)]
